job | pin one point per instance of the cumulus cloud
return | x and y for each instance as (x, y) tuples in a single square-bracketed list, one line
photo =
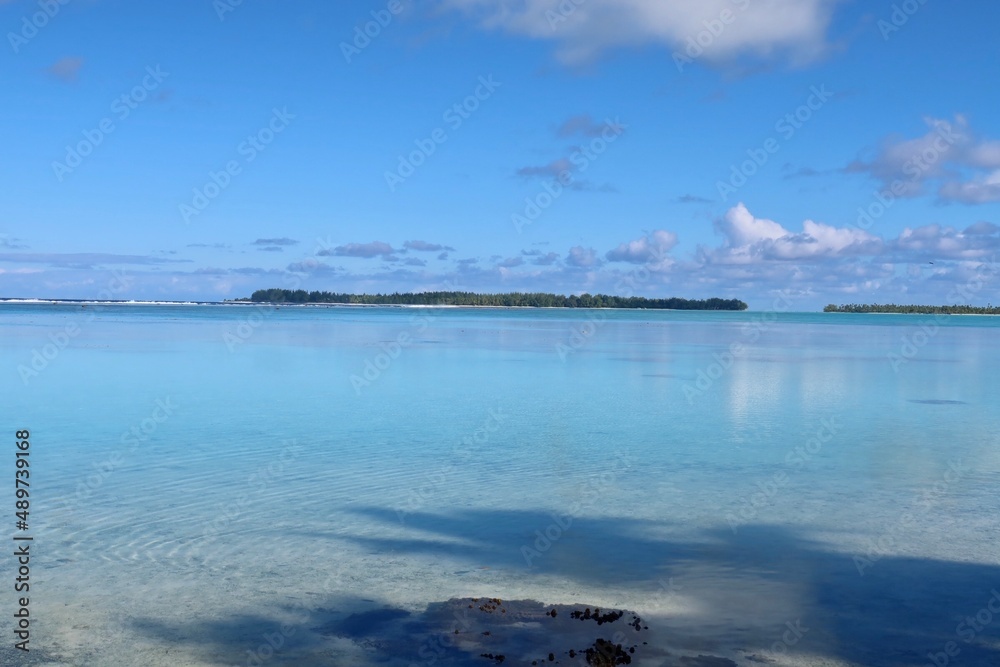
[(582, 258), (363, 250), (255, 271), (650, 249), (511, 262), (934, 242), (560, 173), (424, 246), (963, 167), (538, 258), (749, 239), (795, 29), (548, 259), (284, 241), (979, 190), (585, 126), (981, 227), (313, 267), (761, 255)]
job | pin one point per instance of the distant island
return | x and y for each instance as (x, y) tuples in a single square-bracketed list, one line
[(913, 310), (512, 299)]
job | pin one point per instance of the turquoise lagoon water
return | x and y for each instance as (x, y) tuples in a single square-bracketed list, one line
[(205, 477)]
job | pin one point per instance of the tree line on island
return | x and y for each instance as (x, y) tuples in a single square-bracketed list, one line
[(912, 310), (511, 299)]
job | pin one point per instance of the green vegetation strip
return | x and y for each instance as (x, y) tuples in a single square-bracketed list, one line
[(921, 310), (513, 299)]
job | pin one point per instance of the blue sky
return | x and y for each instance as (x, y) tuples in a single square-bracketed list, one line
[(203, 149)]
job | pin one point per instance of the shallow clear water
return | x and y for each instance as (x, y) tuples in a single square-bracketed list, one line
[(837, 471)]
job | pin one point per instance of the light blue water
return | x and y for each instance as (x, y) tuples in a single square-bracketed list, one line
[(811, 476)]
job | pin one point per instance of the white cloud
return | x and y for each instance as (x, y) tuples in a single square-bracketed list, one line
[(365, 250), (548, 259), (980, 190), (934, 242), (582, 258), (275, 241), (742, 229), (424, 246), (985, 154), (750, 239), (650, 249), (583, 30), (965, 168)]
